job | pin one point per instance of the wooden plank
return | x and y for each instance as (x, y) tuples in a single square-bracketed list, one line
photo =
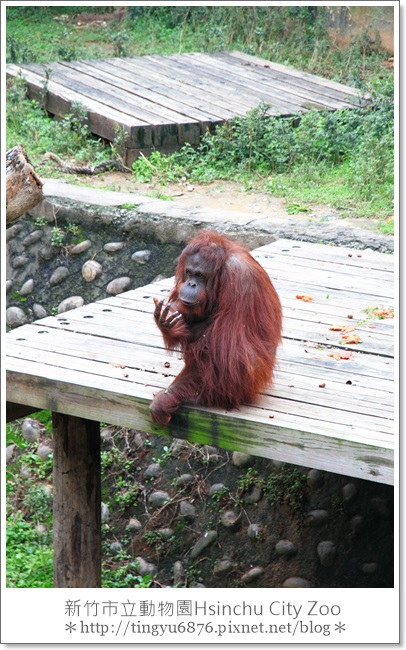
[(306, 90), (302, 399), (209, 86), (209, 426), (348, 91), (101, 118), (165, 127), (107, 93), (76, 385), (362, 372), (296, 94), (326, 311), (323, 420), (167, 81), (235, 86), (295, 328), (307, 263), (291, 249), (149, 84)]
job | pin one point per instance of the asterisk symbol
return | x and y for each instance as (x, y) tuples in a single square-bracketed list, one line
[(340, 627), (70, 627)]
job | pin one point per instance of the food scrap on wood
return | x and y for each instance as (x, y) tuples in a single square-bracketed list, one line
[(304, 297)]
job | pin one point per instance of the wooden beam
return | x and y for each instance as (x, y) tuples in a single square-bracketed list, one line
[(77, 502), (16, 411)]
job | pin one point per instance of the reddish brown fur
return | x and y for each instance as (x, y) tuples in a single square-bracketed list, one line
[(229, 348)]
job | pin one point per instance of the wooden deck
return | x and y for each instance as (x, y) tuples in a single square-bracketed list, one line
[(165, 101), (105, 360)]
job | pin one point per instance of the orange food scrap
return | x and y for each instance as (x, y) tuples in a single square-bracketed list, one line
[(384, 313), (342, 328), (341, 354), (304, 297), (351, 339)]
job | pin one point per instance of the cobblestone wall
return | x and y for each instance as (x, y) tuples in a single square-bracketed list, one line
[(81, 256)]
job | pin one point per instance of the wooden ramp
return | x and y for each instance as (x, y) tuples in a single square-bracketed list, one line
[(166, 101), (104, 361)]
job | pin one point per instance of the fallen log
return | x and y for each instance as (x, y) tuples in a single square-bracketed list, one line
[(23, 185)]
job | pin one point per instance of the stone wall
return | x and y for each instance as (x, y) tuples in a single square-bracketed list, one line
[(85, 257)]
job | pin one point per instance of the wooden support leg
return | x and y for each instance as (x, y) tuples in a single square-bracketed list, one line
[(77, 502)]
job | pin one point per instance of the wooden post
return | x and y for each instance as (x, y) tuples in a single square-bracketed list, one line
[(23, 186), (77, 502)]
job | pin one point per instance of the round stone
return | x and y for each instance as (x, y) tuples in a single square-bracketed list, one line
[(70, 303), (30, 430), (27, 288), (47, 253), (223, 567), (91, 270), (13, 231), (349, 492), (141, 257), (252, 574), (81, 248), (134, 525), (32, 237), (15, 317), (165, 533), (9, 286), (242, 460), (316, 518), (39, 311), (158, 498), (105, 512), (178, 573), (183, 480), (356, 525), (296, 583), (19, 261), (59, 275), (314, 478), (118, 285), (44, 452), (254, 531), (113, 246), (116, 547), (205, 541), (230, 519), (10, 449), (327, 552), (217, 488), (153, 471), (187, 511), (285, 548), (369, 567), (253, 496), (145, 568)]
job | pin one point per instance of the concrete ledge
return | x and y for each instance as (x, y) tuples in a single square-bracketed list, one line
[(172, 221)]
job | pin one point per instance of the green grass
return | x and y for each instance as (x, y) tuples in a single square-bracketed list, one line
[(29, 555), (343, 159)]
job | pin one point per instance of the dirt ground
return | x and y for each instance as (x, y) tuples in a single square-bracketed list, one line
[(224, 195)]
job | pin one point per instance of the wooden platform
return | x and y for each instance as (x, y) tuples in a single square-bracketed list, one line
[(165, 101), (105, 360)]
